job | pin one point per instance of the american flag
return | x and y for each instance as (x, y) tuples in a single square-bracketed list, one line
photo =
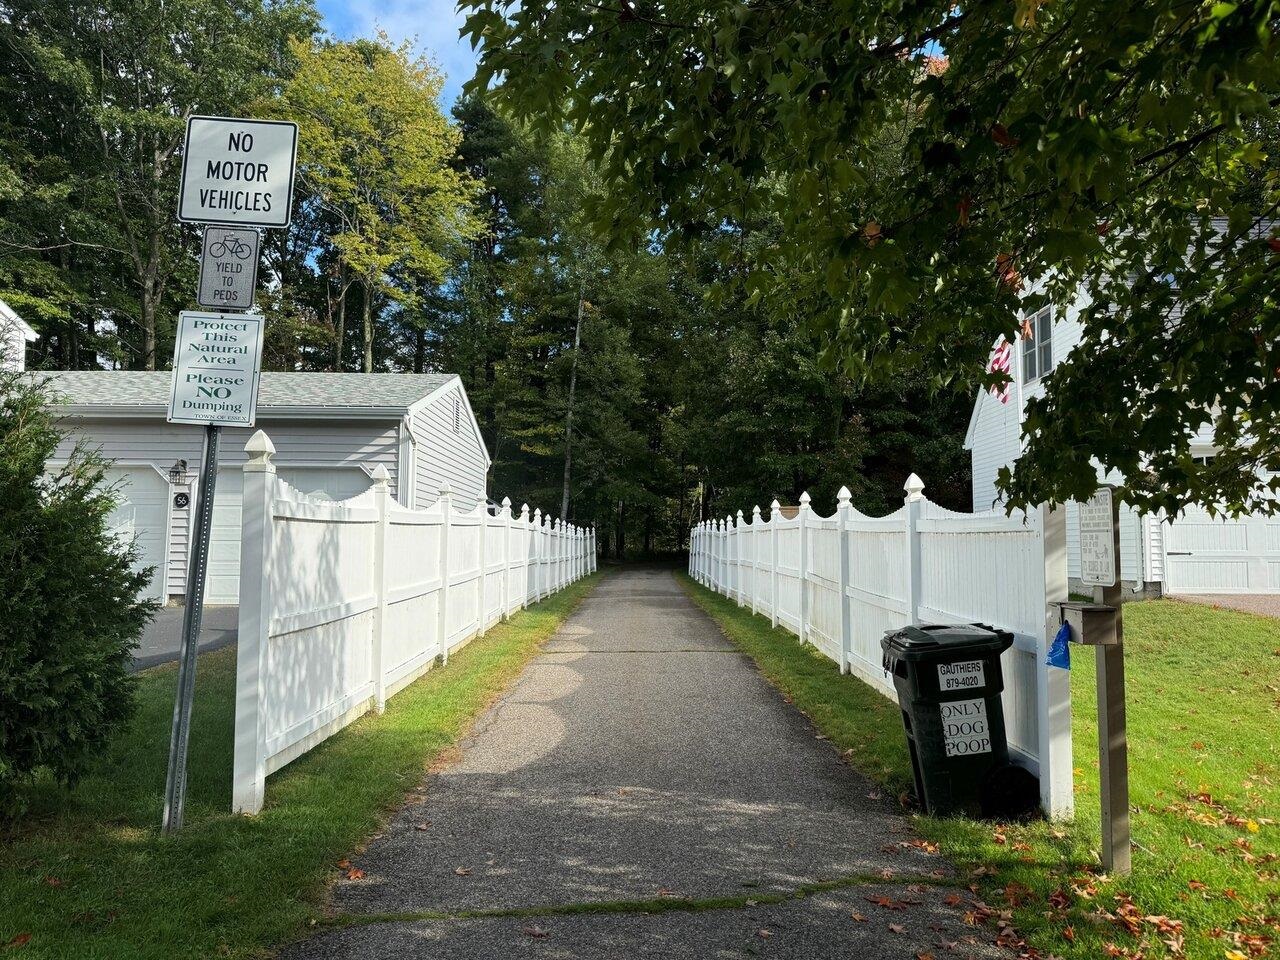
[(1001, 362)]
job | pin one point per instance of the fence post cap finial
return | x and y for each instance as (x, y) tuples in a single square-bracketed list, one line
[(804, 500), (844, 496), (775, 506), (506, 503), (445, 491), (537, 512), (739, 514), (524, 509), (260, 450), (755, 511), (380, 474), (914, 487)]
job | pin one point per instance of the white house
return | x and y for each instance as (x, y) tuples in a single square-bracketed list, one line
[(1195, 554), (330, 430), (14, 337)]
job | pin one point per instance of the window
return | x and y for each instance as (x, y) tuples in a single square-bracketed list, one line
[(1204, 459), (1037, 349)]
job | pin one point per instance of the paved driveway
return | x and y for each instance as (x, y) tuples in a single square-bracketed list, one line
[(1264, 604), (162, 638), (642, 758)]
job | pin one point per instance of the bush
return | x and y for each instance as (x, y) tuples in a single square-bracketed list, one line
[(69, 601)]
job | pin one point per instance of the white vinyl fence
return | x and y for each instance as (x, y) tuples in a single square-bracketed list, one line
[(841, 582), (342, 604)]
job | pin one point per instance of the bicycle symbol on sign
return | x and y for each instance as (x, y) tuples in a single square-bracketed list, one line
[(232, 246)]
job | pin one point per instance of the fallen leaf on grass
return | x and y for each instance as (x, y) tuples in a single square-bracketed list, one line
[(343, 864), (462, 871), (355, 873), (1069, 934), (953, 899), (18, 941), (897, 928), (857, 916)]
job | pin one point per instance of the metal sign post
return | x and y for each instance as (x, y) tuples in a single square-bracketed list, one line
[(1101, 626), (216, 362)]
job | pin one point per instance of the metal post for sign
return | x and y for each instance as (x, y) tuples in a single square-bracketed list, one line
[(1113, 741), (175, 788)]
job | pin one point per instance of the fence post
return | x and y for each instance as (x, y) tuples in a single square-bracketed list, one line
[(536, 555), (843, 510), (381, 499), (914, 488), (505, 592), (248, 767), (446, 511), (804, 513), (755, 559), (1053, 685), (483, 616), (775, 514), (595, 550), (739, 530), (526, 538)]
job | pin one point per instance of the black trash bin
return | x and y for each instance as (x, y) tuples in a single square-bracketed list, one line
[(949, 681)]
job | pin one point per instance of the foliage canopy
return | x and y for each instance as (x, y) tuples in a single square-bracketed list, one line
[(937, 169)]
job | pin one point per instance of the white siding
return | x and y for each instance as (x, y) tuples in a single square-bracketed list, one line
[(299, 443), (995, 444), (449, 450)]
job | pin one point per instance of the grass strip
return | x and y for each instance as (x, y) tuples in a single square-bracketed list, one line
[(1203, 709), (88, 874)]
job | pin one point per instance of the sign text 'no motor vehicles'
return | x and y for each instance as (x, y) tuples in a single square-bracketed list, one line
[(238, 172)]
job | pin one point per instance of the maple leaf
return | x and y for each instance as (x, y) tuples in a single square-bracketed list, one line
[(953, 899), (1069, 933), (343, 864), (19, 940), (897, 928), (857, 916), (355, 873)]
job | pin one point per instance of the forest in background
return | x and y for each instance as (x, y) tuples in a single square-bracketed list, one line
[(636, 378)]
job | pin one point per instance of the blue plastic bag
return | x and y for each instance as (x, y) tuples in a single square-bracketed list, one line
[(1060, 649)]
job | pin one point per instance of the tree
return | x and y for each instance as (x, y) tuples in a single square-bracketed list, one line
[(936, 168), (96, 97), (376, 156), (71, 607)]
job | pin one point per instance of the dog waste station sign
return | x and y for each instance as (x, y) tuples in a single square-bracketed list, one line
[(237, 177)]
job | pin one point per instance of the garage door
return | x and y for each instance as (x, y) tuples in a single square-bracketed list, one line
[(142, 516), (223, 582), (1208, 555)]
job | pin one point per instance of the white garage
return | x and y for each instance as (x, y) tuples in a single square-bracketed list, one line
[(223, 581), (330, 431), (1205, 554), (141, 515)]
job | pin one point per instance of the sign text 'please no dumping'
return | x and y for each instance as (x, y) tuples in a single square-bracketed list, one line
[(216, 361)]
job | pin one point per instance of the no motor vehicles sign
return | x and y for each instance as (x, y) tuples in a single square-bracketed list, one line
[(216, 361), (238, 172)]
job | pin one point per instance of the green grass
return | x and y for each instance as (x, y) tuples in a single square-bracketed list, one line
[(1204, 740), (88, 875)]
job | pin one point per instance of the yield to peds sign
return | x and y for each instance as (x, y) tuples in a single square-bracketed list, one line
[(216, 361), (238, 172)]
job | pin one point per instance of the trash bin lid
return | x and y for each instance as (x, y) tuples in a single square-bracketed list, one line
[(926, 641)]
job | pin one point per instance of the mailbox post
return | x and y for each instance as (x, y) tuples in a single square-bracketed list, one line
[(1101, 626)]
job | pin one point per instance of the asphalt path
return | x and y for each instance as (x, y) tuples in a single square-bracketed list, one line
[(643, 791)]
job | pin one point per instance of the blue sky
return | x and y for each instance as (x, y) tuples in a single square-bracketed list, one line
[(434, 24)]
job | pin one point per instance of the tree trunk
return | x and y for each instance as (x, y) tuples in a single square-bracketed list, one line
[(622, 529), (568, 416), (340, 327), (368, 327), (420, 350), (148, 305), (648, 532)]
